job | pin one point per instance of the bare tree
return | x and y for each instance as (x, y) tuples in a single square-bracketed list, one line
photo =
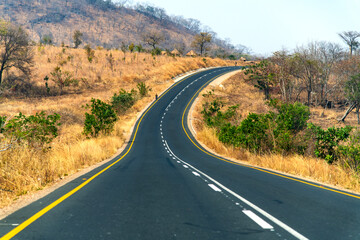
[(326, 54), (283, 74), (153, 38), (306, 68), (201, 42), (15, 50), (350, 39)]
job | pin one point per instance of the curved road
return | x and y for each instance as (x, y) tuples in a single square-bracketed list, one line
[(164, 186)]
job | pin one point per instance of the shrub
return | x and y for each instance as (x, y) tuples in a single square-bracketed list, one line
[(62, 79), (251, 134), (143, 89), (101, 119), (156, 52), (351, 152), (89, 53), (327, 141), (123, 101), (290, 120), (34, 130)]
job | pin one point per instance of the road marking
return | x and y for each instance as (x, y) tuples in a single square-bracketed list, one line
[(248, 166), (215, 188), (253, 206), (257, 219), (43, 211), (195, 173), (185, 166)]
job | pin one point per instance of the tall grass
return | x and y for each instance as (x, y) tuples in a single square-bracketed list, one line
[(236, 91), (26, 170)]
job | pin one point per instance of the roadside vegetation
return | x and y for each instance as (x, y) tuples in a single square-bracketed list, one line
[(291, 113), (68, 108)]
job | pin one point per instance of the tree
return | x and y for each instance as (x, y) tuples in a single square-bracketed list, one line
[(263, 76), (153, 38), (47, 40), (201, 42), (352, 90), (77, 36), (283, 75), (306, 68), (350, 39), (15, 51)]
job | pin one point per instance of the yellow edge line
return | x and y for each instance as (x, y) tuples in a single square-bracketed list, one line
[(36, 216), (239, 164)]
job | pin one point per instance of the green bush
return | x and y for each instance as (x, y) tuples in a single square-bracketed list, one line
[(327, 141), (143, 89), (156, 52), (251, 134), (2, 123), (34, 130), (123, 101), (274, 131), (285, 125), (351, 153), (101, 119)]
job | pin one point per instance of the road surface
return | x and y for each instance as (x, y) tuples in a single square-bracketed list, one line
[(165, 186)]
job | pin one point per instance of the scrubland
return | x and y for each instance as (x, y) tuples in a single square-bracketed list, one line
[(24, 169), (250, 100)]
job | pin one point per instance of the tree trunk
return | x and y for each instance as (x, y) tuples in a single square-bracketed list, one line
[(308, 97), (357, 113), (352, 106), (1, 72)]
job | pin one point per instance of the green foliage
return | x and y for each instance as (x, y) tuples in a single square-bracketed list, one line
[(262, 76), (251, 134), (101, 119), (143, 89), (89, 53), (291, 117), (139, 48), (351, 152), (327, 141), (46, 79), (62, 79), (274, 131), (123, 101), (2, 123), (77, 37), (156, 52), (131, 47), (34, 130)]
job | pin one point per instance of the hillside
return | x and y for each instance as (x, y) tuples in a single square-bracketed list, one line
[(102, 22)]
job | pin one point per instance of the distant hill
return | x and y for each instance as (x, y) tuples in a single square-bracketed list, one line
[(102, 22)]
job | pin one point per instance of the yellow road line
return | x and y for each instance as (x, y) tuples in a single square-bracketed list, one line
[(239, 164), (36, 216)]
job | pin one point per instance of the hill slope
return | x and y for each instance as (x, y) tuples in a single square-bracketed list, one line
[(102, 23)]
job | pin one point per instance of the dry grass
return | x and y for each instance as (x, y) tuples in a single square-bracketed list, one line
[(236, 91), (27, 170)]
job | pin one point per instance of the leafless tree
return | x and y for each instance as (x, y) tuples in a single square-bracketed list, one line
[(327, 55), (350, 39), (306, 68), (153, 38), (15, 50)]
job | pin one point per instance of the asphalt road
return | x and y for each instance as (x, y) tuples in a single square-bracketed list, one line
[(164, 186)]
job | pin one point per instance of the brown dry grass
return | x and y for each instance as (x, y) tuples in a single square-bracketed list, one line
[(26, 170), (236, 91)]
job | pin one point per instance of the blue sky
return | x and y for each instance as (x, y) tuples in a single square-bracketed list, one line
[(266, 26)]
